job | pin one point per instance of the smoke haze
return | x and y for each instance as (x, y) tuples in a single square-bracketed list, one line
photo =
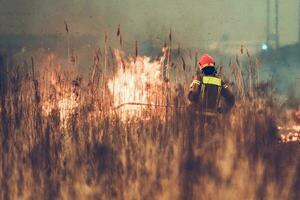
[(194, 22)]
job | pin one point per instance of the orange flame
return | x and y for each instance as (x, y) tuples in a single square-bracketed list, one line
[(56, 89), (292, 134), (137, 79)]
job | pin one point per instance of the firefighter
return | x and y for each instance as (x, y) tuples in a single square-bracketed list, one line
[(208, 92), (209, 96)]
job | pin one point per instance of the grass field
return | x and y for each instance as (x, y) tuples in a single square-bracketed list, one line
[(68, 136)]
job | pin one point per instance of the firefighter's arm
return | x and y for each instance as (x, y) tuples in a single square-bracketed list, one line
[(194, 90), (228, 97)]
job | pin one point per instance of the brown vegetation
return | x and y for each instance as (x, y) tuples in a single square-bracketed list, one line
[(62, 138)]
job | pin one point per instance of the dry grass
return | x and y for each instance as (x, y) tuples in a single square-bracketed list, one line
[(82, 149)]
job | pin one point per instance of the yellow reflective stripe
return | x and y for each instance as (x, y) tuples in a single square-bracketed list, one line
[(196, 82), (210, 114), (218, 97), (202, 92), (212, 80)]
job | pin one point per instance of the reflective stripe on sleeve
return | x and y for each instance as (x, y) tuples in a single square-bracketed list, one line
[(210, 114), (196, 82)]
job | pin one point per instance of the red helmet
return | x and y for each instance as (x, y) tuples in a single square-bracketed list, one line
[(206, 60)]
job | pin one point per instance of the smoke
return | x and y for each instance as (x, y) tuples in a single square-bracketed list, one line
[(202, 24), (195, 23)]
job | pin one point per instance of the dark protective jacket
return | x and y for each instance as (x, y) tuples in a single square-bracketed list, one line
[(210, 94)]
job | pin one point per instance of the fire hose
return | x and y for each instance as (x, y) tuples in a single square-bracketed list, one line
[(147, 104), (208, 113)]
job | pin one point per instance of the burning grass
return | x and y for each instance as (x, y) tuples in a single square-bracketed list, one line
[(63, 137)]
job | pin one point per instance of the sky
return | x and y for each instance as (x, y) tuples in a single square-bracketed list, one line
[(193, 22)]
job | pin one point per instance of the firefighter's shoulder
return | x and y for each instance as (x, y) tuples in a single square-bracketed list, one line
[(196, 80)]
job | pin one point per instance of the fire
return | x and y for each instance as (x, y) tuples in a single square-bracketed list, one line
[(65, 105), (291, 134), (137, 80), (58, 93)]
